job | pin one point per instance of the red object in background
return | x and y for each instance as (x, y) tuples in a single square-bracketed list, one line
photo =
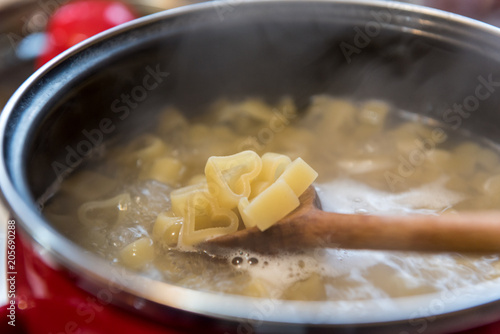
[(47, 301), (79, 20)]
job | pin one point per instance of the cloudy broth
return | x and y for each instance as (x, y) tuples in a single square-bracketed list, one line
[(371, 159)]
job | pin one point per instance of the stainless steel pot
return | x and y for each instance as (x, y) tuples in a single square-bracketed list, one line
[(421, 60)]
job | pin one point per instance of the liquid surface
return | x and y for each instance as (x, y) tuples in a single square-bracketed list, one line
[(371, 159)]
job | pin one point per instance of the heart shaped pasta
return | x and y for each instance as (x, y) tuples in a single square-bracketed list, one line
[(110, 211), (273, 165), (205, 219), (229, 178)]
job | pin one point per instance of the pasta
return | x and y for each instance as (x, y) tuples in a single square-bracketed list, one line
[(229, 178), (167, 228), (167, 170), (179, 198), (273, 165), (247, 220), (298, 176), (274, 203), (265, 190), (373, 113), (205, 219), (148, 148), (138, 253), (257, 187), (110, 211), (242, 164)]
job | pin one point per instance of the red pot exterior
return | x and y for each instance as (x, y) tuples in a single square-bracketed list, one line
[(48, 301)]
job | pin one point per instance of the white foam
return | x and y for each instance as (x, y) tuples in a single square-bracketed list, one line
[(411, 271), (349, 196)]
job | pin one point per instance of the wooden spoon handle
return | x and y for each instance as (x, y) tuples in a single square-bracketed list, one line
[(467, 232)]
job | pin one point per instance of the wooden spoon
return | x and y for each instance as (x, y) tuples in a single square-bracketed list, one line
[(308, 227)]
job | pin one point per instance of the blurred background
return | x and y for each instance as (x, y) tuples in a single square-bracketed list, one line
[(30, 34), (24, 25), (24, 37)]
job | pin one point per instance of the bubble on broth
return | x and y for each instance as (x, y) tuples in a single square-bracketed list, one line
[(284, 268), (346, 187)]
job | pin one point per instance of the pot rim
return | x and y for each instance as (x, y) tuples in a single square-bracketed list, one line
[(91, 268)]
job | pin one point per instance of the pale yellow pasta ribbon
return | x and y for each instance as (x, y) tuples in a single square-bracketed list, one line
[(280, 198), (179, 197), (116, 207), (229, 177), (204, 219), (273, 165)]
